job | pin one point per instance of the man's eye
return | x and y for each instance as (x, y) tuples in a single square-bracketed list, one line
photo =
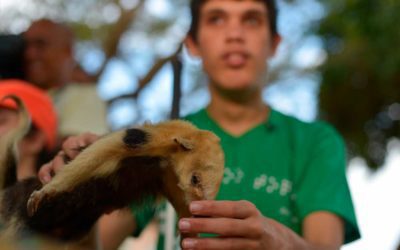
[(39, 43), (215, 20), (252, 21)]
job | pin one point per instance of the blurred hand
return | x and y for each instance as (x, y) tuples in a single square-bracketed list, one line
[(71, 147), (239, 225)]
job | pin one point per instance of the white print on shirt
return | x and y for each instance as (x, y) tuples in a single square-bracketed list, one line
[(234, 176), (272, 185), (285, 212)]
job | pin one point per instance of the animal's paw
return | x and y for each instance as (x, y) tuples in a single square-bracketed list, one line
[(34, 201)]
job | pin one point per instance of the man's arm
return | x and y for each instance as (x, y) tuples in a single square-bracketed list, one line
[(241, 226), (324, 229), (115, 227)]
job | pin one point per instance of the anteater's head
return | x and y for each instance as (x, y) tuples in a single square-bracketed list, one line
[(192, 160)]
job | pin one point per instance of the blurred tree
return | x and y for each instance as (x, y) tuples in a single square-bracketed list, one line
[(360, 89), (110, 30), (102, 25)]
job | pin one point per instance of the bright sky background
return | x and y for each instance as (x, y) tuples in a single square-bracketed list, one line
[(375, 194)]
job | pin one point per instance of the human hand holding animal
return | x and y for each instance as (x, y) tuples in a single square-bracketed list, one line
[(71, 147), (238, 224)]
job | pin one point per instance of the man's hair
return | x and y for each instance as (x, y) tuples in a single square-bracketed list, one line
[(60, 30), (195, 7)]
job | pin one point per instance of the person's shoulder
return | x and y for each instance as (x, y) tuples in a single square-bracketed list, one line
[(194, 116), (312, 128)]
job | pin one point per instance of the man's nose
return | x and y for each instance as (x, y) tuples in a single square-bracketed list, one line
[(234, 32), (29, 52)]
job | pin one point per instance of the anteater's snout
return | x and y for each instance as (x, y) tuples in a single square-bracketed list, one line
[(135, 137)]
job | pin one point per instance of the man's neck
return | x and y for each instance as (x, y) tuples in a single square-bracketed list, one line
[(238, 117)]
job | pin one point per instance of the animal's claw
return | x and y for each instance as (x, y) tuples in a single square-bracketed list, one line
[(34, 202)]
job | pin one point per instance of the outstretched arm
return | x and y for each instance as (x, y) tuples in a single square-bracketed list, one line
[(240, 225), (115, 227)]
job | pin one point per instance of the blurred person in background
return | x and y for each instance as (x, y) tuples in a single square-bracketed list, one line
[(50, 65), (38, 146), (285, 185)]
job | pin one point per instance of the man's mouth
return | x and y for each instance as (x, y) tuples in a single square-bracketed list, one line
[(235, 59), (33, 66)]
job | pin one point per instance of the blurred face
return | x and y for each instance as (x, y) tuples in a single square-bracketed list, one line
[(48, 57), (234, 42), (8, 120)]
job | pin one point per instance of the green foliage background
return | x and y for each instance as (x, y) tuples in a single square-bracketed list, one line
[(360, 89)]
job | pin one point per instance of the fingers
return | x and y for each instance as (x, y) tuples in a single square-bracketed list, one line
[(48, 170), (58, 162), (228, 209), (226, 227), (230, 220), (220, 243), (45, 173), (73, 145)]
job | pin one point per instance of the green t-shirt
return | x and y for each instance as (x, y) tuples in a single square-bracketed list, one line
[(286, 167)]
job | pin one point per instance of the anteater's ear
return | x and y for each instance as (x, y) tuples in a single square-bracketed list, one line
[(184, 143)]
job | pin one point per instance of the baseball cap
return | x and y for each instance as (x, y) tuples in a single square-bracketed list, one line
[(38, 105)]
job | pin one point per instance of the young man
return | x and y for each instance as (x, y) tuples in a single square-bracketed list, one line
[(284, 185)]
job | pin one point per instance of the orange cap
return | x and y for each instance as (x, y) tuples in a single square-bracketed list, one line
[(38, 104)]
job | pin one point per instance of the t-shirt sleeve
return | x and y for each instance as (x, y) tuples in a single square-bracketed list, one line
[(322, 182), (143, 215)]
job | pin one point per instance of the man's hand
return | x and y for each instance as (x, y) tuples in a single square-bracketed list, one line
[(240, 225), (71, 147)]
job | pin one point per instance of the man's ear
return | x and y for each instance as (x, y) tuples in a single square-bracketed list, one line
[(276, 40), (192, 46)]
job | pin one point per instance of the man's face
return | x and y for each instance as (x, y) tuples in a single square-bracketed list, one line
[(234, 42), (47, 56)]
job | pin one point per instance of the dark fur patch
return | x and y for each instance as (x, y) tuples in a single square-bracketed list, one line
[(135, 137), (11, 169), (70, 215), (14, 199)]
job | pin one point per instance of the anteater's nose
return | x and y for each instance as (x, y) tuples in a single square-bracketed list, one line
[(135, 137)]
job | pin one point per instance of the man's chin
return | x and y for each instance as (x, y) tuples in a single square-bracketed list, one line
[(37, 81), (237, 86), (240, 93)]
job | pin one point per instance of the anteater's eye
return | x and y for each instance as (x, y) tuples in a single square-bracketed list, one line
[(195, 180)]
